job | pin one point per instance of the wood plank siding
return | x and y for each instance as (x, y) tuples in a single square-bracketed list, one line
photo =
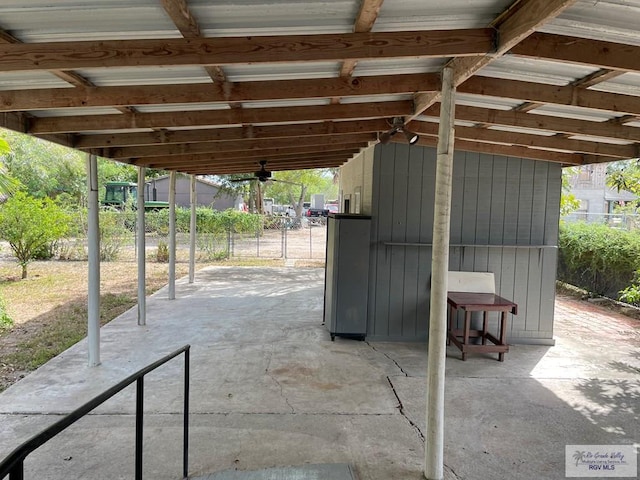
[(504, 219)]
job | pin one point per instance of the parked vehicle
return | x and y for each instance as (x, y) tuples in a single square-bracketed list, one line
[(317, 212), (119, 194), (332, 207)]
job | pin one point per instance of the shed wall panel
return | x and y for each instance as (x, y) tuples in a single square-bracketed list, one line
[(504, 219)]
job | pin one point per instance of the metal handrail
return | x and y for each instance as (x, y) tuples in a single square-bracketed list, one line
[(13, 464)]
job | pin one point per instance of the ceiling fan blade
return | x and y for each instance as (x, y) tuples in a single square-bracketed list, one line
[(247, 179)]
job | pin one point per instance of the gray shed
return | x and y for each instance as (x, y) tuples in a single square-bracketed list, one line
[(208, 194), (504, 219)]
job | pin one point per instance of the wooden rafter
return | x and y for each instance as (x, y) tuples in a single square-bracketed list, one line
[(328, 142), (606, 55), (243, 50), (218, 117), (552, 94), (181, 16), (36, 99), (367, 16)]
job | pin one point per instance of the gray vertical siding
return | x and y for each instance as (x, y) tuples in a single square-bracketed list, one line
[(503, 210)]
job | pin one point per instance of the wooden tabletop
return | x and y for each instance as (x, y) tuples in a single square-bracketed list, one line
[(480, 302)]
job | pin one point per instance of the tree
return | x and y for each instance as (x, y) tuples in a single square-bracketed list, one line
[(296, 185), (30, 224), (568, 201), (624, 175), (45, 169), (7, 183)]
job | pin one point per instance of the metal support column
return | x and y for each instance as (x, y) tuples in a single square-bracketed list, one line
[(434, 435), (192, 232), (142, 299), (172, 235), (93, 301)]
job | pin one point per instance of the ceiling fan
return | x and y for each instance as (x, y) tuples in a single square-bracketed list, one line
[(263, 175)]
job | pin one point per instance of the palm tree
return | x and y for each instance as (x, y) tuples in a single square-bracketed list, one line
[(578, 456), (8, 184)]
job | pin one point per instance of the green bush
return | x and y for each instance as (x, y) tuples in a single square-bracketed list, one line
[(162, 254), (6, 322), (114, 231), (29, 225), (598, 258)]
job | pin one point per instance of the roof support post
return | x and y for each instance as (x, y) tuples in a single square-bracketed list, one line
[(142, 300), (93, 297), (172, 235), (434, 438), (192, 232)]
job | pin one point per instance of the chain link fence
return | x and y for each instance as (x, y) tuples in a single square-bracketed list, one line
[(218, 236), (615, 220)]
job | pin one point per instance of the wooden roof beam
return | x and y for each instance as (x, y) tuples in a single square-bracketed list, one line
[(242, 50), (329, 142), (615, 152), (248, 169), (367, 15), (511, 151), (542, 122), (562, 48), (218, 117), (91, 141), (239, 158), (552, 94), (38, 99)]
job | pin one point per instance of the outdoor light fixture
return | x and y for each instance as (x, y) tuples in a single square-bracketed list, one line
[(398, 126)]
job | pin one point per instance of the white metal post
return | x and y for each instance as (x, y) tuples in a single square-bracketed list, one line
[(93, 300), (434, 438), (142, 299), (192, 232), (172, 235)]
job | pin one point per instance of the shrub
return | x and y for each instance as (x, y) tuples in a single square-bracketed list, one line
[(6, 322), (29, 225), (598, 258), (162, 254)]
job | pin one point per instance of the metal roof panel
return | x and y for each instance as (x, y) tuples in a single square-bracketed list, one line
[(607, 20), (62, 20), (398, 15), (273, 17), (510, 67)]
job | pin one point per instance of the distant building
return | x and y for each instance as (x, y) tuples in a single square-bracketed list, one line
[(209, 194), (589, 185)]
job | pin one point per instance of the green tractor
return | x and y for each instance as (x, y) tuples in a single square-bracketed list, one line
[(120, 194)]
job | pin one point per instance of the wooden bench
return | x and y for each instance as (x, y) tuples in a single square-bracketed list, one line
[(475, 292)]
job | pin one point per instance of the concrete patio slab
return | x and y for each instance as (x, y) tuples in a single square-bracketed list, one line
[(269, 390)]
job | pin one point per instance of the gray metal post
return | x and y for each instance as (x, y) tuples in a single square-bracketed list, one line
[(172, 235), (192, 232), (93, 300), (434, 435), (142, 299)]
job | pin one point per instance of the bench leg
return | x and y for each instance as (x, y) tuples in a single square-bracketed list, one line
[(484, 327), (465, 339), (503, 334)]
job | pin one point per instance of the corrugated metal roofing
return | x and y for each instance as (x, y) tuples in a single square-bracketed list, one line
[(615, 121)]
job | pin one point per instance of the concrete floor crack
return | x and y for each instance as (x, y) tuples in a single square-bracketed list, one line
[(452, 472), (277, 382), (402, 411), (390, 358)]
